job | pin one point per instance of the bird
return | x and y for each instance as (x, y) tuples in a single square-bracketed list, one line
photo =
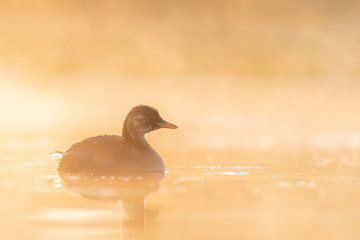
[(114, 155)]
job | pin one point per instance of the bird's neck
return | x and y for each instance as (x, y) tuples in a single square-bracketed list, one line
[(135, 137)]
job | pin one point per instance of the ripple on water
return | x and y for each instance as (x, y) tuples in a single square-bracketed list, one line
[(213, 170), (228, 173), (73, 214)]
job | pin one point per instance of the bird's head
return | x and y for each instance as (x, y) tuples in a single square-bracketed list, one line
[(143, 119)]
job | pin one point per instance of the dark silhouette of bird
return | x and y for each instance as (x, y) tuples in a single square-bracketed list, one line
[(113, 155)]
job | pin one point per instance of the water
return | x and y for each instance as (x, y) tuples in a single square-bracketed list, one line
[(213, 200)]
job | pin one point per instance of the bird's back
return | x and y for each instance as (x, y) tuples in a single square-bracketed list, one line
[(109, 155)]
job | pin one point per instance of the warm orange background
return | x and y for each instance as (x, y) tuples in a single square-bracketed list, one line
[(231, 74), (265, 94)]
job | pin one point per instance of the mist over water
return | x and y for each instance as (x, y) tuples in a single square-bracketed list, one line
[(265, 94), (273, 72)]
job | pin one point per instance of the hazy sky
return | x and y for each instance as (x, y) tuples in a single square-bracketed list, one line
[(217, 68), (176, 38)]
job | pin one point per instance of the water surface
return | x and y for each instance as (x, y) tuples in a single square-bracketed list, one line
[(194, 201)]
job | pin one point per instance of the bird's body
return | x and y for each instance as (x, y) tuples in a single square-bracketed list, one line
[(118, 155), (109, 155)]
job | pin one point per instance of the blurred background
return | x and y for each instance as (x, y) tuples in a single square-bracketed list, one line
[(265, 94), (234, 75)]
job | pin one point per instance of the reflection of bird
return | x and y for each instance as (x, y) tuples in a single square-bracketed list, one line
[(115, 155), (128, 189)]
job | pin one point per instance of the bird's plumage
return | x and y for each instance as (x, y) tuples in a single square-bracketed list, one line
[(118, 155)]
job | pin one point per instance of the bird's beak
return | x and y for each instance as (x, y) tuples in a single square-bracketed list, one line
[(165, 124)]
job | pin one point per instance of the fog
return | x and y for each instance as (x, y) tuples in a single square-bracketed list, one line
[(237, 74), (265, 94)]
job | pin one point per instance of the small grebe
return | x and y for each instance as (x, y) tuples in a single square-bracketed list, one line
[(118, 155)]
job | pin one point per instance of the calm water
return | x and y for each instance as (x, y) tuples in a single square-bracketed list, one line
[(320, 200)]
